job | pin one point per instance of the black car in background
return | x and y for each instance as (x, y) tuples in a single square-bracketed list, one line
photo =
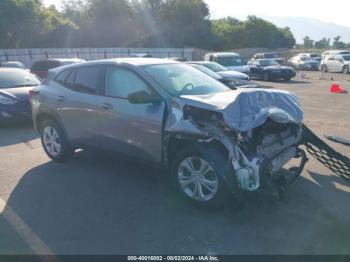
[(227, 80), (15, 85), (269, 69)]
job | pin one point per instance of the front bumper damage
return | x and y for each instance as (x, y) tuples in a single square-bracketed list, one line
[(256, 145)]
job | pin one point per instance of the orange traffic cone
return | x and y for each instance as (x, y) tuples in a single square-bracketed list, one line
[(337, 89)]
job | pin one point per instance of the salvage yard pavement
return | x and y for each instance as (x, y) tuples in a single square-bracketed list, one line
[(100, 204)]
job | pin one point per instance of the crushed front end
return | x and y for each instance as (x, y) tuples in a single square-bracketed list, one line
[(261, 153), (261, 131)]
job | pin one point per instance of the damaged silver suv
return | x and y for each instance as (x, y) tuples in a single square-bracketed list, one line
[(215, 141)]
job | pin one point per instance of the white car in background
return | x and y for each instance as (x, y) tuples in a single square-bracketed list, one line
[(337, 63), (232, 61), (330, 54)]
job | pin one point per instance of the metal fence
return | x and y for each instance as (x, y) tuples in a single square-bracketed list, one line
[(29, 56)]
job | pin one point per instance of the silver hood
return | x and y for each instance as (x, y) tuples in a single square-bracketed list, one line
[(244, 109)]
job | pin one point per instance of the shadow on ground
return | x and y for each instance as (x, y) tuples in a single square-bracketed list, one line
[(12, 134), (100, 204)]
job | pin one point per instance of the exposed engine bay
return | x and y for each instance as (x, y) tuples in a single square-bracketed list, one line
[(256, 149)]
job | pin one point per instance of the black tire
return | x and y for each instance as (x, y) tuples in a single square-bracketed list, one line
[(222, 196), (65, 151), (287, 78), (266, 76), (324, 68), (346, 70), (300, 68)]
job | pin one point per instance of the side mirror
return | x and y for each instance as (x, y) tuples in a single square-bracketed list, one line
[(143, 97)]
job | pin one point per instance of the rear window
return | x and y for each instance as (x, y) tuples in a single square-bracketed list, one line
[(61, 78), (87, 79), (271, 56)]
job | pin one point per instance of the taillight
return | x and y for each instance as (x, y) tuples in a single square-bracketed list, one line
[(31, 93)]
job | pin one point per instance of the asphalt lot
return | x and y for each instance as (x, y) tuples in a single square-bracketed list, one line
[(100, 204)]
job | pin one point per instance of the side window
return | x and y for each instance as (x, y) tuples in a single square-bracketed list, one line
[(61, 78), (69, 82), (87, 79), (121, 82)]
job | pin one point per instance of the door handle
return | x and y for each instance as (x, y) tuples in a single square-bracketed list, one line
[(107, 106), (61, 98)]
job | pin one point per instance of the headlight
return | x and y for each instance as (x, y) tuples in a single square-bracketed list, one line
[(6, 100)]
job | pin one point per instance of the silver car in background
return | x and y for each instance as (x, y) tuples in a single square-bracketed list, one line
[(302, 62), (215, 141)]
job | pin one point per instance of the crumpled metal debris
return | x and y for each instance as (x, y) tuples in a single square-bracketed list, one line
[(330, 158)]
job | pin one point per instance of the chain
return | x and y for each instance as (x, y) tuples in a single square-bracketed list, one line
[(330, 158)]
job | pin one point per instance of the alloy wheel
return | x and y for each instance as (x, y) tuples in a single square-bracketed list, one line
[(51, 141), (197, 179)]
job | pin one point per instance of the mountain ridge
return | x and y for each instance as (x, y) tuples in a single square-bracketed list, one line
[(314, 28)]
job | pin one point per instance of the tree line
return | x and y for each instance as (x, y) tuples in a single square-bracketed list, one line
[(132, 23), (323, 43)]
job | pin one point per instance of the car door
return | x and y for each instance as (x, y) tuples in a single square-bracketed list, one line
[(339, 64), (256, 69), (132, 129), (76, 103), (331, 63)]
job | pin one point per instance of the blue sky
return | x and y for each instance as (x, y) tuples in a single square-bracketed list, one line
[(336, 11)]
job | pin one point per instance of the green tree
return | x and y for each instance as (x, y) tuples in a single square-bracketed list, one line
[(173, 23), (324, 43), (254, 32), (308, 43), (337, 44)]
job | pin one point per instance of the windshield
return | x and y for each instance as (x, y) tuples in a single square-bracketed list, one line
[(17, 78), (315, 56), (271, 56), (215, 67), (305, 58), (346, 57), (182, 79), (268, 62), (230, 60), (207, 71)]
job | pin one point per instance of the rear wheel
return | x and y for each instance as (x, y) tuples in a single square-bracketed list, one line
[(54, 141), (346, 70), (199, 180), (287, 78)]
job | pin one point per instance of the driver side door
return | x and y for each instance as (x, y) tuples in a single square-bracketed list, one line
[(132, 129), (256, 69)]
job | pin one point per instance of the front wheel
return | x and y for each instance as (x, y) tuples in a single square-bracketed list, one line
[(54, 141), (287, 78), (345, 70), (199, 179), (324, 68)]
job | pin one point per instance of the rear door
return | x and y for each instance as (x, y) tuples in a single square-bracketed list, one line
[(132, 129), (76, 102)]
